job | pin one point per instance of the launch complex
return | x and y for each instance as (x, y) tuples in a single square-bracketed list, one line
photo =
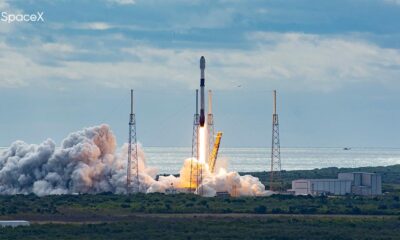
[(205, 145)]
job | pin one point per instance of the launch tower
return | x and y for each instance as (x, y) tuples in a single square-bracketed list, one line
[(195, 150), (275, 174), (210, 125), (132, 176)]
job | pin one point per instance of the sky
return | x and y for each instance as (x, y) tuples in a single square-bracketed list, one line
[(334, 64)]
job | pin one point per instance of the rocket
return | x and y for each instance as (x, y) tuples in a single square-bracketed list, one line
[(202, 80)]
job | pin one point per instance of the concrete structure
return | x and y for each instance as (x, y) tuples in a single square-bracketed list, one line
[(14, 223), (364, 183), (357, 183), (222, 194)]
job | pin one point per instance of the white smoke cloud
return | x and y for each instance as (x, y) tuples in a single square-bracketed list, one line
[(222, 181), (85, 163), (89, 162)]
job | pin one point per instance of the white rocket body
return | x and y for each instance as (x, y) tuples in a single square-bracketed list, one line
[(202, 85)]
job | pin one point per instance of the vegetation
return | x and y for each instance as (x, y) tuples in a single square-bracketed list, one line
[(272, 227), (112, 204), (127, 216)]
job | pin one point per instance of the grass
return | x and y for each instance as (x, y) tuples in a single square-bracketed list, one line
[(109, 204), (221, 228)]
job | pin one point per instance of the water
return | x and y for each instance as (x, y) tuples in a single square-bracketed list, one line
[(170, 159)]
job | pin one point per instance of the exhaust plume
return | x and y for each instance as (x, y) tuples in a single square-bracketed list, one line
[(88, 161)]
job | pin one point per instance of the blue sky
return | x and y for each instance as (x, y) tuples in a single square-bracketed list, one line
[(335, 64)]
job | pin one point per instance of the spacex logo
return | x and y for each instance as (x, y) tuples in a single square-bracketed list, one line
[(9, 17)]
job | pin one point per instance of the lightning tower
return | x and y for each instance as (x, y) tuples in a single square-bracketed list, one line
[(210, 124), (195, 153), (132, 176), (275, 173)]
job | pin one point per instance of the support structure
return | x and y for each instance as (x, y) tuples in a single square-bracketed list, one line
[(214, 154), (195, 153), (275, 174), (132, 176), (210, 125)]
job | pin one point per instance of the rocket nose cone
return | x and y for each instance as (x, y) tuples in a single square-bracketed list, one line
[(202, 62)]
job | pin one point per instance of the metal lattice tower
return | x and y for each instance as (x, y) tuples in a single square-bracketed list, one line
[(275, 174), (195, 153), (210, 125), (132, 177)]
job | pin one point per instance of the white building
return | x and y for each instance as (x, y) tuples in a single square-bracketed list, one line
[(357, 183), (321, 186), (364, 183), (14, 223)]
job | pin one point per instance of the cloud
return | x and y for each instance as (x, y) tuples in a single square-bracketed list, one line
[(59, 47), (323, 62), (4, 4), (396, 2), (215, 18), (294, 61), (93, 26), (122, 2), (6, 7)]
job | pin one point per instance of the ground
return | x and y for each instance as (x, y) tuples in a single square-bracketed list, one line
[(187, 216), (211, 226)]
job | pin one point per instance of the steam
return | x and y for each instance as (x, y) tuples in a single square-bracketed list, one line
[(89, 162)]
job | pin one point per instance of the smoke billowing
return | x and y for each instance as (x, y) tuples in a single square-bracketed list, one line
[(88, 161)]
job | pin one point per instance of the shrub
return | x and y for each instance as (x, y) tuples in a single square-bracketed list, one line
[(124, 205), (356, 210), (261, 209), (277, 210), (382, 206)]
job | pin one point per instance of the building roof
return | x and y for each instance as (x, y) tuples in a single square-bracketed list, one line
[(322, 179)]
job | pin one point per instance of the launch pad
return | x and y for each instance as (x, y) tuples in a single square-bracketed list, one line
[(200, 174), (203, 148)]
